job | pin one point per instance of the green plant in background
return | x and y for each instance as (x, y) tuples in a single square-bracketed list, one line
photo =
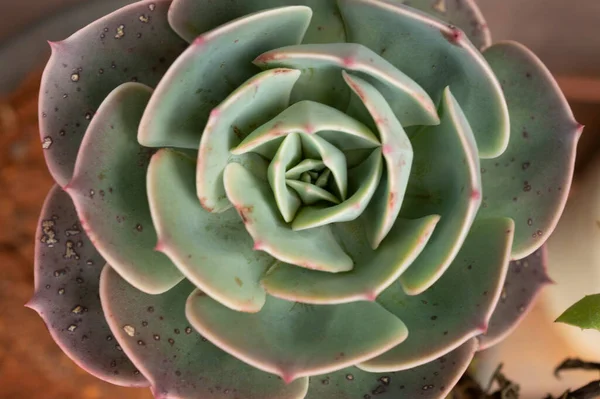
[(252, 194), (585, 313)]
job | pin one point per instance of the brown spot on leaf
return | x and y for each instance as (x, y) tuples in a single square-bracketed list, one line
[(244, 212), (453, 36)]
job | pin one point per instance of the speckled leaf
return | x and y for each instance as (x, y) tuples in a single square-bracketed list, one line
[(253, 199), (445, 180), (584, 314), (433, 380), (178, 362), (524, 281), (213, 251), (133, 43), (458, 307), (440, 56), (362, 183), (287, 338), (216, 64), (288, 154), (189, 17), (321, 80), (397, 153), (255, 102), (309, 118), (464, 14), (374, 270), (531, 180), (109, 192), (67, 275)]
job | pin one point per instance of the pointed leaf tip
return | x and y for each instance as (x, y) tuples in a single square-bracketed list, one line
[(583, 314)]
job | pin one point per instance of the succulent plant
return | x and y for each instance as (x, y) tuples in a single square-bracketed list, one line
[(252, 194)]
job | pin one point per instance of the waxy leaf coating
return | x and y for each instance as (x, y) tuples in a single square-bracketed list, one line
[(295, 199)]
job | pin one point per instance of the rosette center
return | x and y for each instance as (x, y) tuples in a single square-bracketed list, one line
[(312, 149)]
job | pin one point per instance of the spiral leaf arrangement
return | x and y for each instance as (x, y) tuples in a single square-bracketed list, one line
[(254, 193)]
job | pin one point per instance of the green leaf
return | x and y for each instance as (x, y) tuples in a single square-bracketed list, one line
[(531, 180), (189, 17), (253, 199), (213, 250), (179, 363), (109, 192), (255, 102), (91, 63), (585, 314), (311, 193), (374, 270), (436, 56), (309, 118), (216, 64), (288, 154), (397, 153), (293, 340), (444, 181), (458, 307), (321, 81)]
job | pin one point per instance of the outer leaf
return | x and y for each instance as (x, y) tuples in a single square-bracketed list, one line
[(178, 362), (398, 154), (133, 43), (213, 251), (188, 17), (253, 199), (374, 270), (440, 56), (445, 181), (584, 314), (67, 273), (216, 63), (464, 14), (109, 192), (458, 307), (294, 340), (530, 181), (255, 102), (524, 281), (322, 66), (433, 380)]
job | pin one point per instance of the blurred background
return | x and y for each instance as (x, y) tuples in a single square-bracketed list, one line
[(564, 35)]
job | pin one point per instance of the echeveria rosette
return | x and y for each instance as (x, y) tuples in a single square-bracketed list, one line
[(293, 189)]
